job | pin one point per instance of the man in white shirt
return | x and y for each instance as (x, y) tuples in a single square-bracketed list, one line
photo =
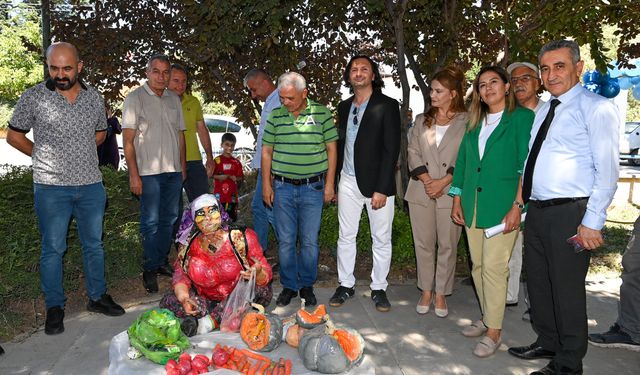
[(570, 178), (525, 83)]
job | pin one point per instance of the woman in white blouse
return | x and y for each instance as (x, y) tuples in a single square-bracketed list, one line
[(433, 149)]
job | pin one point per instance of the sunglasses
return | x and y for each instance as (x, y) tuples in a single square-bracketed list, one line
[(356, 110)]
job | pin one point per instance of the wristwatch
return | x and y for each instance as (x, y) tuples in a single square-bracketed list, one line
[(519, 205)]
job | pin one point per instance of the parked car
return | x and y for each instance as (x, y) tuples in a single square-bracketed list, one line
[(218, 125), (630, 144), (245, 142)]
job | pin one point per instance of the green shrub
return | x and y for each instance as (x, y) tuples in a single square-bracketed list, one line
[(5, 115), (402, 238), (20, 245)]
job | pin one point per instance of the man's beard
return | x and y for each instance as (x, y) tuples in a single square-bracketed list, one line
[(65, 83)]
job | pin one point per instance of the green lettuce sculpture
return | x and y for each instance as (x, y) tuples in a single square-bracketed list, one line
[(156, 334)]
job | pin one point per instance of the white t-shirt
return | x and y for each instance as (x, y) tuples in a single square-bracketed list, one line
[(440, 131), (489, 124)]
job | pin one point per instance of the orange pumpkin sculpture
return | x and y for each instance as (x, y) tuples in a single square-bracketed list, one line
[(331, 350), (261, 332)]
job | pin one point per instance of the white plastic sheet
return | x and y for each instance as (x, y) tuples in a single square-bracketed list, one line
[(120, 364)]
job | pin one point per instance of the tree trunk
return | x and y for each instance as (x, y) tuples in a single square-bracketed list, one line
[(396, 14)]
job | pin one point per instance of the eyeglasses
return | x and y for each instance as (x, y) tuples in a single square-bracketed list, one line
[(356, 110), (526, 78)]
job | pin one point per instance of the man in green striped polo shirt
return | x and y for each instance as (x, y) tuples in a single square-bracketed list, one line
[(298, 169)]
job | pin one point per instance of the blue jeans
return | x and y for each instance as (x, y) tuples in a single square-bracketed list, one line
[(55, 205), (262, 215), (158, 213), (298, 211)]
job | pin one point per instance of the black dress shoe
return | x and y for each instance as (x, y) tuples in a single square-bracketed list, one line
[(54, 323), (164, 271), (533, 351), (150, 281), (549, 369), (553, 369), (309, 297), (106, 306), (285, 297), (380, 298)]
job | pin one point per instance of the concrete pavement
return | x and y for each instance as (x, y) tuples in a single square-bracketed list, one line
[(398, 342)]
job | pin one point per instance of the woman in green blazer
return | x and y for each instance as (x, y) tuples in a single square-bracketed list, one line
[(487, 191)]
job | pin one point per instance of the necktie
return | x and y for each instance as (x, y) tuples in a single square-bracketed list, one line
[(535, 150)]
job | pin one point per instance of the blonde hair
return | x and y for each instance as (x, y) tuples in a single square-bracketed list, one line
[(452, 78), (478, 109)]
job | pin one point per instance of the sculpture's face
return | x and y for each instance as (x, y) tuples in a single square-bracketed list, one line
[(208, 219)]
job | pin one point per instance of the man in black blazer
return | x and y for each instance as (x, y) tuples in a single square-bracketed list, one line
[(369, 131)]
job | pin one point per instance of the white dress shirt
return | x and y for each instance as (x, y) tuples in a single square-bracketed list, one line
[(272, 102), (579, 157), (489, 124)]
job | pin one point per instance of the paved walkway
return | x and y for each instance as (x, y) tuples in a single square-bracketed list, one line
[(398, 342)]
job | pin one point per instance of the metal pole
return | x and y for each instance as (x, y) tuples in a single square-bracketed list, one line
[(46, 32)]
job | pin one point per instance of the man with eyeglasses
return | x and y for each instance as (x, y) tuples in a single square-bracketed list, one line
[(154, 146), (369, 129), (525, 83), (298, 169)]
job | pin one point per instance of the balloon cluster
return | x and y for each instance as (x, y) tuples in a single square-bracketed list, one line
[(609, 87), (630, 83), (602, 84)]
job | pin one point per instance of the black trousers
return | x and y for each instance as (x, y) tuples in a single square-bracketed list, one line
[(556, 280)]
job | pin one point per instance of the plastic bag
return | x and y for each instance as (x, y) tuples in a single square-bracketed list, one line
[(237, 303), (156, 333)]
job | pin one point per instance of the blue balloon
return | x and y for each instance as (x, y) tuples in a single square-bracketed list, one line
[(636, 92), (610, 90), (625, 83), (635, 80), (591, 77), (604, 78), (593, 87)]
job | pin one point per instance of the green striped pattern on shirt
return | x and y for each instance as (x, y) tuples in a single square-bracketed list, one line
[(299, 149)]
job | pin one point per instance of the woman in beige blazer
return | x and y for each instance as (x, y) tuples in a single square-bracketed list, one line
[(433, 149)]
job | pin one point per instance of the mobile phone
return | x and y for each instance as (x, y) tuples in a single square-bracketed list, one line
[(576, 242)]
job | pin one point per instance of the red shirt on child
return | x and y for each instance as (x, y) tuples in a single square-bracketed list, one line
[(227, 190)]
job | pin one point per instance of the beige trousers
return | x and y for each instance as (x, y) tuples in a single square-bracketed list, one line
[(490, 271), (432, 226)]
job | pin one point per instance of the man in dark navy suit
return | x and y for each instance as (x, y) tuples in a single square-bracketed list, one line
[(369, 130)]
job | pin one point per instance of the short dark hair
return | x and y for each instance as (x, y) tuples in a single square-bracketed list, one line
[(181, 68), (377, 82), (228, 137)]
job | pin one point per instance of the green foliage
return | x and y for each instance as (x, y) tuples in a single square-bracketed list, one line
[(5, 115), (20, 51), (213, 108), (633, 110), (402, 238), (20, 245)]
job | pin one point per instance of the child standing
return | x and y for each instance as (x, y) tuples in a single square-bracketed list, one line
[(227, 174)]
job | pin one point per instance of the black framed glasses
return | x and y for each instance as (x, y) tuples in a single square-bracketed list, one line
[(356, 110)]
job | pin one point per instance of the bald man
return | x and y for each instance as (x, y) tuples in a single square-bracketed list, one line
[(68, 120)]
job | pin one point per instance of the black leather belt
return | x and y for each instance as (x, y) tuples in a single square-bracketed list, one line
[(300, 181), (556, 201)]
